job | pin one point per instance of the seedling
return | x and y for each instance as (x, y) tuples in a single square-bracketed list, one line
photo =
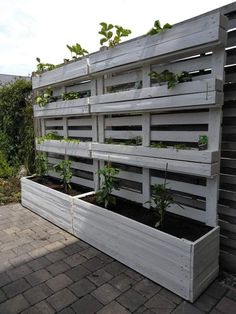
[(158, 145), (49, 136), (171, 78), (157, 29), (77, 50), (109, 183), (71, 95), (134, 141), (112, 34), (41, 164), (64, 170), (180, 146), (41, 67), (202, 142)]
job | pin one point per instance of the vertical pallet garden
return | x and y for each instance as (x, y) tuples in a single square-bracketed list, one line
[(127, 119)]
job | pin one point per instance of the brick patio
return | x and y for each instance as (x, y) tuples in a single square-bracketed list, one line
[(44, 269)]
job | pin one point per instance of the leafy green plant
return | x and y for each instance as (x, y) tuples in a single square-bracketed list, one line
[(44, 98), (63, 168), (158, 145), (171, 78), (41, 164), (180, 146), (49, 136), (77, 50), (112, 34), (202, 142), (41, 67), (71, 95), (6, 171), (134, 141), (109, 183), (157, 29)]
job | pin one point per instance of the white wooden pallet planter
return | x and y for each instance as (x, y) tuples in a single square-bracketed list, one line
[(63, 73), (81, 149), (48, 203), (203, 32), (194, 94), (182, 266), (199, 163), (62, 108)]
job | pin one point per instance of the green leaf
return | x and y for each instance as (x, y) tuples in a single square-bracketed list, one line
[(110, 26), (157, 24), (104, 25), (102, 41), (109, 35), (167, 26)]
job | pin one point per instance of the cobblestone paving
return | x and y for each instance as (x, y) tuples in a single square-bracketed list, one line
[(44, 269)]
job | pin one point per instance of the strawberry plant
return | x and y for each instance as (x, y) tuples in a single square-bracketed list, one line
[(157, 29), (77, 50), (112, 34)]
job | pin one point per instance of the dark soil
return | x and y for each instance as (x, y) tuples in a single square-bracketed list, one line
[(175, 225), (56, 184)]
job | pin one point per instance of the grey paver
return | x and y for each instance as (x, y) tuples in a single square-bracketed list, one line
[(59, 282), (216, 290), (205, 302), (90, 252), (87, 305), (159, 304), (99, 277), (94, 264), (82, 287), (147, 288), (67, 310), (38, 277), (58, 268), (131, 300), (226, 305), (62, 299), (19, 272), (187, 308), (39, 263), (231, 294), (14, 305), (106, 293), (115, 268), (40, 308), (73, 248), (75, 259), (77, 273), (2, 296), (4, 279), (16, 287), (122, 282), (38, 293), (113, 308), (170, 296)]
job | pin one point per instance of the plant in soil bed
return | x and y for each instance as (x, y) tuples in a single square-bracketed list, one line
[(41, 165), (112, 34), (158, 145), (41, 67), (170, 78), (109, 183), (71, 95), (49, 136), (157, 28), (63, 168), (202, 142), (44, 98), (77, 50)]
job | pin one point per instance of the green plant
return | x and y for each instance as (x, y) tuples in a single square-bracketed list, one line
[(112, 34), (203, 140), (41, 164), (44, 98), (134, 141), (41, 67), (49, 136), (158, 145), (171, 78), (71, 95), (6, 171), (158, 29), (64, 170), (109, 183), (180, 146), (77, 50)]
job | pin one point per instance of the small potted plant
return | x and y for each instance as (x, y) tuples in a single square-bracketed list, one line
[(202, 142)]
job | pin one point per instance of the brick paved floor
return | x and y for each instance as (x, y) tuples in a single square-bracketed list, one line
[(43, 269)]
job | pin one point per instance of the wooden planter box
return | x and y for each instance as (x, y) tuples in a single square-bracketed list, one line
[(182, 266), (82, 149)]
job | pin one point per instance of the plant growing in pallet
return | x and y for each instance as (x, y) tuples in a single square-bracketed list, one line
[(134, 141), (202, 142), (49, 136), (157, 29), (180, 146), (45, 97), (109, 183), (158, 145), (71, 95), (41, 67), (112, 34), (41, 165), (77, 50), (171, 78), (64, 170)]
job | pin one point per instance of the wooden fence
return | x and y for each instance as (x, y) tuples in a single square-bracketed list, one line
[(125, 114)]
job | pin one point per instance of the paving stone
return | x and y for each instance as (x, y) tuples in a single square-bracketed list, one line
[(16, 287), (62, 299), (122, 282), (38, 293), (59, 282), (75, 259), (2, 296), (19, 272), (67, 310), (14, 305), (94, 264), (56, 256), (232, 294), (158, 304), (147, 288), (113, 308), (21, 259), (40, 308), (226, 305), (82, 287), (99, 277), (205, 302), (58, 268), (90, 252), (143, 310), (38, 277), (131, 300), (187, 308), (106, 293), (87, 305), (4, 279), (77, 273), (73, 249), (133, 274), (39, 251), (105, 258), (216, 290), (115, 268), (39, 263), (170, 296)]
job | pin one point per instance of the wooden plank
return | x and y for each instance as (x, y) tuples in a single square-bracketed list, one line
[(180, 118), (122, 134), (123, 121), (83, 182), (80, 133), (123, 78), (81, 87), (212, 201), (80, 121), (130, 195), (177, 136)]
